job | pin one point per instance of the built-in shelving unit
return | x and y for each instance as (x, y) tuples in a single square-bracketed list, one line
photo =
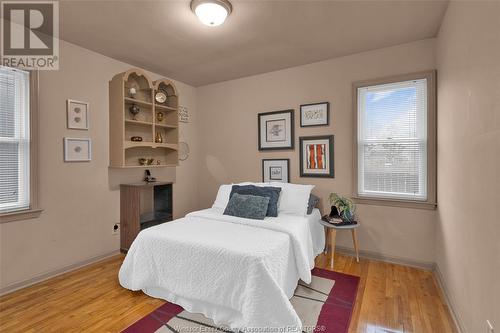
[(156, 123)]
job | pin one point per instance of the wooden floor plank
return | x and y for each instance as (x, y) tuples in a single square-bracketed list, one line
[(391, 298)]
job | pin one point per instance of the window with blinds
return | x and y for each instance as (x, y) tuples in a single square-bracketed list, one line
[(14, 140), (392, 140)]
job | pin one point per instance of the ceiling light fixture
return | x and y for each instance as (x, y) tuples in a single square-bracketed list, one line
[(211, 12)]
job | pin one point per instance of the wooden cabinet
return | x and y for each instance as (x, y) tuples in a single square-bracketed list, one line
[(143, 205), (134, 112)]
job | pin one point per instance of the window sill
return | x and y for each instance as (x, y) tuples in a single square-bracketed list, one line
[(20, 215), (395, 203)]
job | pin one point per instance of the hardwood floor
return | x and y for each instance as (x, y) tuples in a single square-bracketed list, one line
[(391, 299)]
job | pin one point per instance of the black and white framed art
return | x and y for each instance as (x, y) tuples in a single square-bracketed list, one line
[(77, 114), (276, 170), (315, 114), (276, 130)]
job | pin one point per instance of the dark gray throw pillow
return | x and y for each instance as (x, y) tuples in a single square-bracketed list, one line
[(313, 202), (247, 206), (273, 193)]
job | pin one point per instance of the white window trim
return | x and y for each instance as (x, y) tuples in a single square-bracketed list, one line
[(34, 210), (431, 201)]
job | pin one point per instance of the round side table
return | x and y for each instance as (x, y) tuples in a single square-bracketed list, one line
[(331, 232)]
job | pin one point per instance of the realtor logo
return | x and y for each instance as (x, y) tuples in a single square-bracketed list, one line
[(30, 34)]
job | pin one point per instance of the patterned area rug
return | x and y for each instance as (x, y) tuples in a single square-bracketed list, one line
[(325, 306)]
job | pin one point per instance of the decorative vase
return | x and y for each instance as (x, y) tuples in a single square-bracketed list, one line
[(347, 216), (159, 116), (134, 111), (158, 138)]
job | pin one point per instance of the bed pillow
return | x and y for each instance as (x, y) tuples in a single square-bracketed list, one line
[(313, 202), (222, 197), (247, 206), (273, 193), (294, 198)]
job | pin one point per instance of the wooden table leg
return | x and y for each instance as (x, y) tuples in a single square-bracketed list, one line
[(355, 241), (333, 235)]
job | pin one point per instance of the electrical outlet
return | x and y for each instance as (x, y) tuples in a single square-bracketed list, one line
[(116, 229), (489, 326)]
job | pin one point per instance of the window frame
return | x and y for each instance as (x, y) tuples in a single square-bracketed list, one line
[(431, 202), (34, 209)]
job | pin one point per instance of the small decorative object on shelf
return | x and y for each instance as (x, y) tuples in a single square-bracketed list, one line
[(136, 138), (132, 91), (148, 178), (160, 97), (344, 207), (159, 116), (158, 138), (134, 111), (146, 161), (158, 162)]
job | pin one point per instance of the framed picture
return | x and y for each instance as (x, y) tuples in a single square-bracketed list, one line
[(77, 150), (316, 114), (316, 156), (77, 114), (276, 170), (276, 130)]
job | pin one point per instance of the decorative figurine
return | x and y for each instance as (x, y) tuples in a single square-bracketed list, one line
[(132, 91), (136, 138), (159, 116), (134, 111), (148, 178)]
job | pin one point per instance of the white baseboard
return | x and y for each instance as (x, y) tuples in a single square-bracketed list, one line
[(45, 276), (459, 324), (386, 258)]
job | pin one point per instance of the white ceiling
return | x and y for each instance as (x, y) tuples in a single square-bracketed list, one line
[(258, 37)]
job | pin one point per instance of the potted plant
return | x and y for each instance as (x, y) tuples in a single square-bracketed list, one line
[(344, 205)]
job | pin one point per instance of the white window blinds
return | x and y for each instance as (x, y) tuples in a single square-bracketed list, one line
[(392, 140), (14, 140)]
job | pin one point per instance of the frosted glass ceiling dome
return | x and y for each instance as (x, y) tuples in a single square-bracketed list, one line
[(211, 12)]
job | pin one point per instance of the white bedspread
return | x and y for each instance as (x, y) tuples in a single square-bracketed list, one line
[(238, 272)]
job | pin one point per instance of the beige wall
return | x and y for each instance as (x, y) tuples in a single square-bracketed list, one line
[(81, 200), (468, 229), (228, 112)]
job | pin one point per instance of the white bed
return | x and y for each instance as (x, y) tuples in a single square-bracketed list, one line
[(238, 272)]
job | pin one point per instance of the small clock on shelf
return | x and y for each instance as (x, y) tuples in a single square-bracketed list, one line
[(161, 97)]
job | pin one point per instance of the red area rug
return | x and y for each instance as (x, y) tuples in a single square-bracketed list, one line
[(324, 306)]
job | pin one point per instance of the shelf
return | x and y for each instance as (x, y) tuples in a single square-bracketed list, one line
[(164, 107), (138, 122), (137, 101), (148, 144), (167, 145), (155, 216), (125, 153), (143, 166), (166, 126)]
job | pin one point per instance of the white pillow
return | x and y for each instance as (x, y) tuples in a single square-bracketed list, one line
[(222, 196), (294, 198)]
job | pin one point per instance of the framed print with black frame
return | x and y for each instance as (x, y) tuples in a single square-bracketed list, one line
[(316, 156), (315, 114), (276, 130), (276, 170)]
